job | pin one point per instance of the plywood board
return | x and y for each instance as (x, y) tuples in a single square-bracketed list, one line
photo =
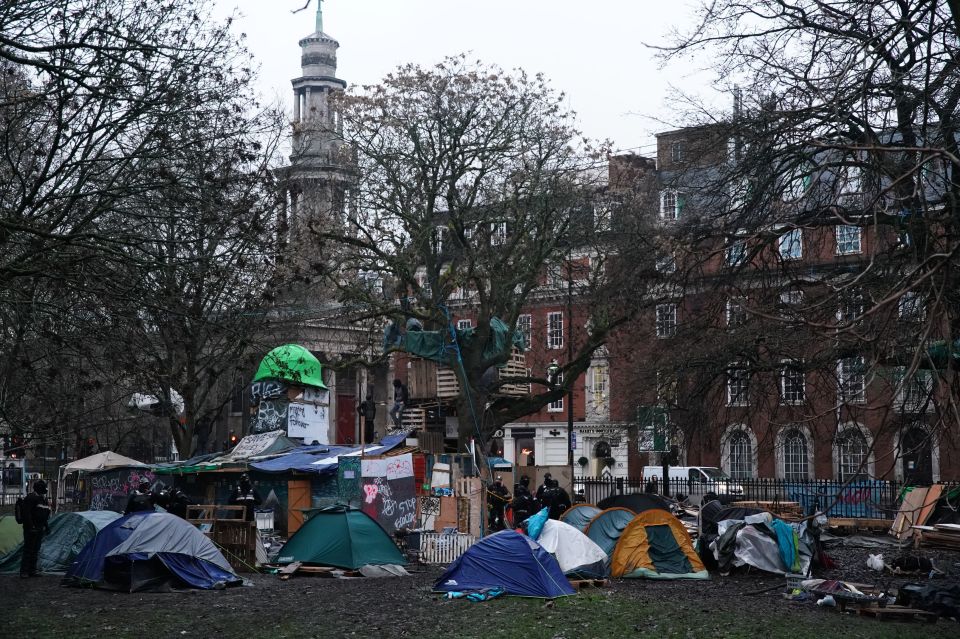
[(930, 502), (909, 509)]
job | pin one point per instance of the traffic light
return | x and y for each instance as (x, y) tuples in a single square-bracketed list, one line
[(233, 438)]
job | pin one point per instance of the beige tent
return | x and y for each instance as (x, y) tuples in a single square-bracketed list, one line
[(101, 461)]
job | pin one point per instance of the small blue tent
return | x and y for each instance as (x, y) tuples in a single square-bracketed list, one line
[(147, 550), (510, 561)]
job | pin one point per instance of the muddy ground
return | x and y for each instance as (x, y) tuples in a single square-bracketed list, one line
[(405, 607)]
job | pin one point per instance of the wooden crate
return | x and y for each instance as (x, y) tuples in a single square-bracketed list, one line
[(421, 379), (437, 548), (430, 442), (449, 388), (236, 538), (414, 418)]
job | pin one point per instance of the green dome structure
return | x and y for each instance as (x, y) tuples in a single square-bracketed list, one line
[(291, 363)]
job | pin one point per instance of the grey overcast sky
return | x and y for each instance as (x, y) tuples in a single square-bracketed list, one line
[(591, 50)]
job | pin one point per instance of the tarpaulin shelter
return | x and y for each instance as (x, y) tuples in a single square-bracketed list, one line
[(507, 560), (324, 460), (579, 515), (655, 545), (143, 551), (343, 537), (291, 363), (107, 460), (765, 543), (605, 529), (432, 344), (575, 552), (69, 533), (637, 502)]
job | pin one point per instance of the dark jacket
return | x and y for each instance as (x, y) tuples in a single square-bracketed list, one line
[(140, 501), (523, 504), (36, 512), (368, 409)]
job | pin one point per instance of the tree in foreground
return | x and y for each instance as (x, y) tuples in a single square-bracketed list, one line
[(825, 209), (473, 187)]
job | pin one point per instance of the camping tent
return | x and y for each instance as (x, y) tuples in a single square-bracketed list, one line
[(574, 551), (579, 515), (637, 502), (146, 550), (510, 561), (69, 533), (11, 534), (605, 529), (341, 536), (764, 542), (656, 545)]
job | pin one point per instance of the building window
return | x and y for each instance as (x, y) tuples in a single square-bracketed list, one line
[(666, 323), (666, 389), (796, 461), (676, 152), (556, 406), (464, 324), (602, 216), (911, 307), (525, 326), (915, 393), (439, 234), (792, 384), (736, 313), (666, 264), (671, 204), (498, 233), (848, 239), (599, 383), (740, 454), (852, 455), (792, 297), (736, 253), (851, 307), (555, 330), (851, 379), (791, 245), (738, 385)]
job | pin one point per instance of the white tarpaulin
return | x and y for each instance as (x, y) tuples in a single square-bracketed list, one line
[(102, 461), (575, 552)]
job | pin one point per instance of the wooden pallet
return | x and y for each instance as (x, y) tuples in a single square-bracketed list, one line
[(853, 523), (580, 584), (421, 379), (899, 613), (414, 418)]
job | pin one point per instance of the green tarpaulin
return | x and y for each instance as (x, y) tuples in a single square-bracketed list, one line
[(69, 533), (343, 537), (291, 363), (431, 344)]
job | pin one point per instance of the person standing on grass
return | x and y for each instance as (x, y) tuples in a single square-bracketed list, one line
[(35, 515)]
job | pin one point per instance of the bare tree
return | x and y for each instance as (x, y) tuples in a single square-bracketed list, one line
[(474, 195), (824, 208)]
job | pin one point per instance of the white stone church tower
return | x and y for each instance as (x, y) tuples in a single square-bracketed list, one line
[(320, 174)]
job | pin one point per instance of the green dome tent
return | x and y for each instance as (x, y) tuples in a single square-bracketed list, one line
[(343, 537), (291, 363), (11, 534), (69, 533)]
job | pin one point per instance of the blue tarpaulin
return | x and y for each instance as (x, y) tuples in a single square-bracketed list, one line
[(324, 460), (510, 561)]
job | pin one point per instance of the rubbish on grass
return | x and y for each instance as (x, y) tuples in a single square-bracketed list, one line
[(875, 562), (828, 601)]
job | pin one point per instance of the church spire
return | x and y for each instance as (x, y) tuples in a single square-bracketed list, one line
[(319, 16)]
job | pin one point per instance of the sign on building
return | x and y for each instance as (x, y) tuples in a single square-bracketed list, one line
[(653, 432), (310, 422)]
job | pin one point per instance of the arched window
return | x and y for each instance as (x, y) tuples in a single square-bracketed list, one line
[(796, 462), (852, 452), (741, 455)]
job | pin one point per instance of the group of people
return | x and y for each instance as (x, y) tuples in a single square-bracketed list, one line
[(144, 499), (525, 503)]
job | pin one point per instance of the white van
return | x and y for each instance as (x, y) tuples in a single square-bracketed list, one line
[(696, 481)]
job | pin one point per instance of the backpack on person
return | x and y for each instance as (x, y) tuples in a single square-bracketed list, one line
[(18, 513)]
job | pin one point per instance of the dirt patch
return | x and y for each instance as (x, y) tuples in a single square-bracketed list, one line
[(405, 607)]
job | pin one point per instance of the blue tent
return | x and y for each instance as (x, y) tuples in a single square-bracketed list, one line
[(510, 561), (147, 550)]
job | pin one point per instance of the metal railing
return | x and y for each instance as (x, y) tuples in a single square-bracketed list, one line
[(865, 498)]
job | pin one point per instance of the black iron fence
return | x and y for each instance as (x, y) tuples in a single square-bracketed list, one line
[(868, 498)]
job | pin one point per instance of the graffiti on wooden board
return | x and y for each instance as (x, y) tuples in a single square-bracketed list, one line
[(110, 489), (389, 491)]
